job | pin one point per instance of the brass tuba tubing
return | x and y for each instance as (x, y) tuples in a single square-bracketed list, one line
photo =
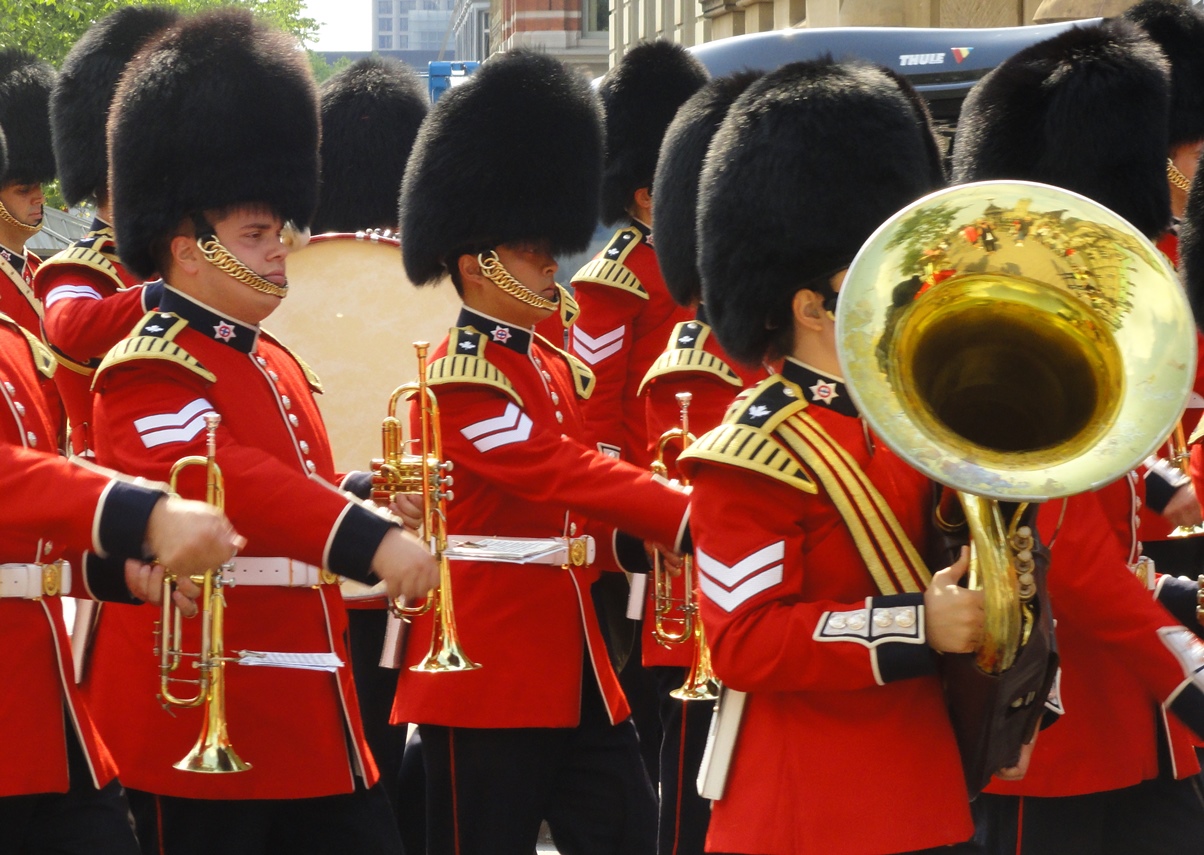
[(212, 752)]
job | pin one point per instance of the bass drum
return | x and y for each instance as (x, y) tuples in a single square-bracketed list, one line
[(351, 314)]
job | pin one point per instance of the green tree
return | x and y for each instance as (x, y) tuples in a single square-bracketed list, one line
[(48, 28), (322, 69)]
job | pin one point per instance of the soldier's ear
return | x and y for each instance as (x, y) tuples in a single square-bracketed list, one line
[(807, 308), (186, 255)]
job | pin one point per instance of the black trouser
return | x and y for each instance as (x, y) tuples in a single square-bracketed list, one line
[(1158, 817), (81, 821), (360, 822), (684, 815), (489, 789), (375, 687)]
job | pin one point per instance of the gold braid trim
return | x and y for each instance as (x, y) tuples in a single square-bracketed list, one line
[(225, 261), (493, 270), (26, 229)]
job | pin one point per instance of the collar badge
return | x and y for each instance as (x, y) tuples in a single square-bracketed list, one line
[(501, 334), (824, 391), (224, 331)]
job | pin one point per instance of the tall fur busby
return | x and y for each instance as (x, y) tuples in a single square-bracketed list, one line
[(370, 116), (808, 162), (514, 154), (79, 103), (1191, 248), (25, 84), (675, 188), (220, 111), (3, 155), (1086, 110), (1179, 30), (641, 95)]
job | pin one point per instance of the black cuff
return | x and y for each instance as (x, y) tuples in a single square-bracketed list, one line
[(104, 579), (1180, 596), (124, 518), (358, 484), (1159, 490), (1188, 707), (152, 295), (355, 542), (900, 648), (629, 552), (687, 541)]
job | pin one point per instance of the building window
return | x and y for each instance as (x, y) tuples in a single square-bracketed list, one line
[(597, 16), (384, 7), (403, 23), (384, 42), (384, 25), (403, 42)]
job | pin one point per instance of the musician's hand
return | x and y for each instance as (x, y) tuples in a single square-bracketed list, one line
[(1015, 773), (409, 508), (405, 565), (1184, 508), (953, 615), (190, 537), (670, 560), (145, 582)]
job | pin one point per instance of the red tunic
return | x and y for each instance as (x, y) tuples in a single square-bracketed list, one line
[(291, 725), (51, 510), (91, 302), (512, 427), (626, 317), (845, 744), (17, 298), (692, 362)]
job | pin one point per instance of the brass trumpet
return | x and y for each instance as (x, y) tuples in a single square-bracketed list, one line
[(668, 628), (424, 474), (212, 752)]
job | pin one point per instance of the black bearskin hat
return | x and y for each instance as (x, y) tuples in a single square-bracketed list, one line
[(3, 155), (675, 189), (79, 103), (808, 162), (370, 116), (1179, 31), (1191, 249), (641, 95), (1086, 110), (234, 114), (514, 154), (25, 84)]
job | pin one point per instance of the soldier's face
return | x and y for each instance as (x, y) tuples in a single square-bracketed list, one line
[(24, 202), (534, 267), (252, 235)]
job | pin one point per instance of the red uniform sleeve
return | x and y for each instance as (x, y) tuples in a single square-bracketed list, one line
[(85, 324), (530, 462), (602, 338), (753, 563), (277, 508)]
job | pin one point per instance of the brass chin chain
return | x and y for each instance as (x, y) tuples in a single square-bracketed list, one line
[(224, 260), (495, 272), (25, 228), (1176, 177)]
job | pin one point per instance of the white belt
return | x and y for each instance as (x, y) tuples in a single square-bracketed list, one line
[(279, 572), (33, 581)]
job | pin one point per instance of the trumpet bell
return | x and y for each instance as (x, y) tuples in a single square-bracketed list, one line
[(1015, 340)]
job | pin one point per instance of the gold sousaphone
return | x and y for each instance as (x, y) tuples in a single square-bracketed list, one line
[(1045, 361)]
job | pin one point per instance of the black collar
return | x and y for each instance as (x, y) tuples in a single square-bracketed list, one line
[(499, 332), (819, 389), (236, 334), (643, 230), (700, 315), (16, 259)]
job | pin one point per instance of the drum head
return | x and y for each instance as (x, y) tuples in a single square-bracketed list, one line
[(352, 315)]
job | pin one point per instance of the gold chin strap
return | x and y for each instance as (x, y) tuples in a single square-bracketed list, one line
[(224, 260), (25, 228), (1176, 177), (495, 272)]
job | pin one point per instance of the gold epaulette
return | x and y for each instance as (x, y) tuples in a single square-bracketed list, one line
[(583, 375), (464, 363), (569, 310), (686, 353), (153, 338), (746, 438), (311, 376), (1197, 433), (43, 358), (84, 256), (609, 268)]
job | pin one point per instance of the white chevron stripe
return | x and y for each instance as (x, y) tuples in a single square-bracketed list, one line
[(730, 577), (508, 437), (154, 438), (730, 600), (507, 419), (593, 358), (178, 419), (588, 341), (63, 292)]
